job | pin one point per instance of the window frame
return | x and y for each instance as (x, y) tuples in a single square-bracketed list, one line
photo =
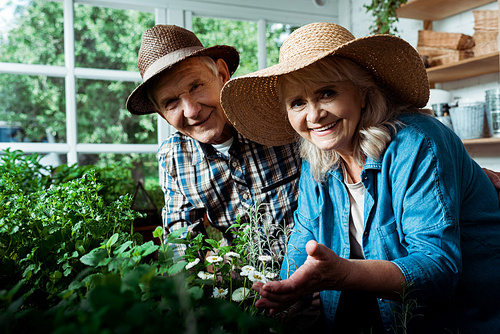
[(166, 12)]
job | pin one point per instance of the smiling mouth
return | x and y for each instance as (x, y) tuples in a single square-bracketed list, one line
[(203, 121), (326, 127)]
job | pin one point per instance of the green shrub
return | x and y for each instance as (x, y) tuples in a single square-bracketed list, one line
[(49, 220), (69, 263)]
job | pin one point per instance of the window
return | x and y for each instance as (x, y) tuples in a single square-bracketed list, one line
[(67, 67)]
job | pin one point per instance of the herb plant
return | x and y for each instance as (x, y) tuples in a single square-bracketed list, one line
[(384, 13), (46, 225), (71, 262)]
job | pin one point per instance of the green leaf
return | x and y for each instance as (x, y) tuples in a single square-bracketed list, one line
[(196, 292), (122, 248), (94, 257), (158, 232), (214, 243), (175, 235), (174, 269), (112, 240)]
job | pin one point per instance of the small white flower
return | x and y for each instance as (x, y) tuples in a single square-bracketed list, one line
[(246, 270), (192, 264), (256, 276), (240, 294), (271, 275), (265, 258), (214, 259), (204, 275), (233, 254), (219, 293)]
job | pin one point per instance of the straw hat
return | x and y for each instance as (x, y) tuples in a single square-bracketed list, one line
[(252, 104), (162, 47)]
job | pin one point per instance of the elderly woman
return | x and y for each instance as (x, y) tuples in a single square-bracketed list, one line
[(390, 203)]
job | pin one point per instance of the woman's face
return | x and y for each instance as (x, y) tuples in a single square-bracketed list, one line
[(325, 113)]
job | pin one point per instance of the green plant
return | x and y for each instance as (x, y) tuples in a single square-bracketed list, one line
[(384, 13), (120, 294), (403, 312), (228, 272), (71, 263), (47, 223)]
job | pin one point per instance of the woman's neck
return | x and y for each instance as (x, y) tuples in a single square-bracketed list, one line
[(352, 168)]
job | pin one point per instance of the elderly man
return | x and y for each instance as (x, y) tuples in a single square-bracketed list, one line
[(206, 167)]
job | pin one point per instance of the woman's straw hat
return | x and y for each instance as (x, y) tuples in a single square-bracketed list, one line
[(162, 47), (252, 104)]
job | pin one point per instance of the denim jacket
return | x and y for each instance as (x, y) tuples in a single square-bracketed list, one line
[(432, 211)]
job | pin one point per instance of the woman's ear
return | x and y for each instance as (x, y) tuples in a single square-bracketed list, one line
[(223, 70), (363, 100)]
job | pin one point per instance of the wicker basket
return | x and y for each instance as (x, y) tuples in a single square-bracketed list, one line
[(484, 36), (442, 56), (486, 42), (485, 48), (448, 40), (485, 19)]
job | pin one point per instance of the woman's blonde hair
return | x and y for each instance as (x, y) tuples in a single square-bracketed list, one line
[(377, 117)]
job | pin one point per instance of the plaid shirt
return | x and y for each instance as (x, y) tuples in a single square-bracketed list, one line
[(197, 179)]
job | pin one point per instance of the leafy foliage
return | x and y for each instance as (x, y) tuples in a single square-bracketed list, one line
[(70, 263), (48, 222), (384, 13), (104, 38), (243, 36)]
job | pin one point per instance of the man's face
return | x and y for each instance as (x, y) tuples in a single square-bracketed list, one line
[(189, 99)]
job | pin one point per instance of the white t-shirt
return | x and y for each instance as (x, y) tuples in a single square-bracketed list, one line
[(356, 218), (224, 147)]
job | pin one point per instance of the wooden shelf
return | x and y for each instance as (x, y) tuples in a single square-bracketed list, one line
[(482, 141), (432, 10), (466, 68), (482, 147)]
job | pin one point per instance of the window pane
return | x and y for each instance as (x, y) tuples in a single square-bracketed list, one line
[(276, 34), (240, 34), (31, 32), (103, 118), (35, 105), (109, 38)]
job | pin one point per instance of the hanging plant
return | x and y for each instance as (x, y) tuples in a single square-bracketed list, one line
[(384, 12)]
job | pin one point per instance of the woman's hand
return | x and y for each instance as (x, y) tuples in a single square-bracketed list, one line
[(322, 268), (325, 270), (494, 178)]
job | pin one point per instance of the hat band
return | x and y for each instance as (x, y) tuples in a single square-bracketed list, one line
[(168, 59)]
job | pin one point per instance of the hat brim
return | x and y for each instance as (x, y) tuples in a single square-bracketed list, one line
[(138, 102), (252, 105)]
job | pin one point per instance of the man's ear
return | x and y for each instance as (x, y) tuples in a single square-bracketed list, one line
[(223, 70)]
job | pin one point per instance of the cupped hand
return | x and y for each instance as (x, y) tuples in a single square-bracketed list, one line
[(322, 269)]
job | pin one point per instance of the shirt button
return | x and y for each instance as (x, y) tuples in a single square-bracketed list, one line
[(235, 164), (245, 196)]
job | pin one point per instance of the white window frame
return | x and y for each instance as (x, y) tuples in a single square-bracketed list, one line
[(166, 12)]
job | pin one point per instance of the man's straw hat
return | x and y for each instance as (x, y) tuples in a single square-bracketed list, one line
[(162, 47), (252, 104)]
